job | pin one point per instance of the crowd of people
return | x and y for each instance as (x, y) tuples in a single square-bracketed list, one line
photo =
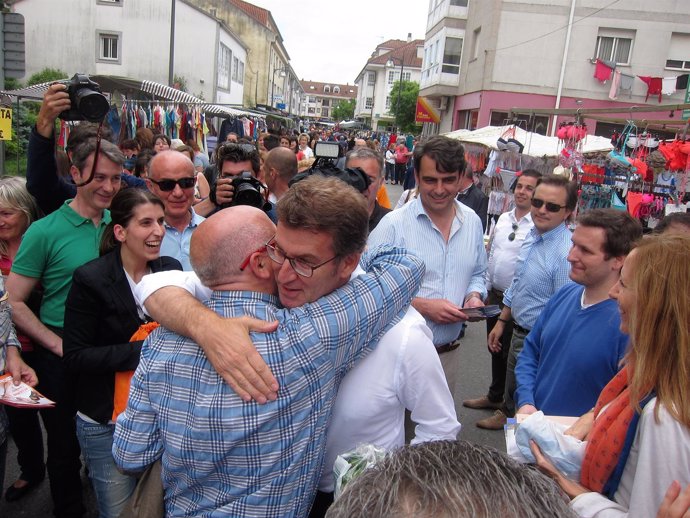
[(231, 351)]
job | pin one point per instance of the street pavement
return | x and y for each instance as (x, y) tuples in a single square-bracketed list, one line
[(468, 370)]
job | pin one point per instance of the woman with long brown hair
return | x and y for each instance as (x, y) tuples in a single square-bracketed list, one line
[(639, 441)]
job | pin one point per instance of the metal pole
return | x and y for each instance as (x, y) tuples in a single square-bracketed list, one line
[(172, 44), (563, 61)]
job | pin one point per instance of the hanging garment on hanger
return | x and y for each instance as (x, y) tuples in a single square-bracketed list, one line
[(665, 183), (616, 202), (682, 82)]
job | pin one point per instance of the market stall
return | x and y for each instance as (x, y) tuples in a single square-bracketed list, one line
[(141, 103)]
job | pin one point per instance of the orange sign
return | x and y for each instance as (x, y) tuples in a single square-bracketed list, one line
[(425, 112)]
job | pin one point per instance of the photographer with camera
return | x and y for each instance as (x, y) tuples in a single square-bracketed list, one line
[(42, 180), (232, 160)]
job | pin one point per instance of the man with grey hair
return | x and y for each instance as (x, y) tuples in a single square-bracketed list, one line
[(371, 162), (51, 250), (450, 479)]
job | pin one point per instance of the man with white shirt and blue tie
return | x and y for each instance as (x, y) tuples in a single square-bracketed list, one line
[(447, 236), (542, 268)]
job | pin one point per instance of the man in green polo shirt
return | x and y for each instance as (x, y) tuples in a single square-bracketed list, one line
[(51, 250)]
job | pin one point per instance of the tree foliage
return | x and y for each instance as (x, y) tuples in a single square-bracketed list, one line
[(404, 109), (45, 75), (344, 110), (24, 116)]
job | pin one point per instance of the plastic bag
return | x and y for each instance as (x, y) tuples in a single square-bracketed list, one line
[(565, 451), (351, 464)]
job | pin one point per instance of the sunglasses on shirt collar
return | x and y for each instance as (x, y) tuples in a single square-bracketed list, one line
[(511, 236), (169, 185), (551, 207)]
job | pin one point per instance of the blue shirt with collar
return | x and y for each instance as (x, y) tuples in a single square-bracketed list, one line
[(176, 244), (541, 269), (222, 456), (453, 268)]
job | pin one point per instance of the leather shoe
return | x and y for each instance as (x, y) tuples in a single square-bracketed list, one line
[(495, 422), (15, 493), (482, 403)]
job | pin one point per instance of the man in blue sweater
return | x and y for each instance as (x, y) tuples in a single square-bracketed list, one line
[(575, 347)]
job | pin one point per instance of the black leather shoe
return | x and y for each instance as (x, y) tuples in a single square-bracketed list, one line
[(15, 493)]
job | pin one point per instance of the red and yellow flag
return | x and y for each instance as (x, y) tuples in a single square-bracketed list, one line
[(425, 112)]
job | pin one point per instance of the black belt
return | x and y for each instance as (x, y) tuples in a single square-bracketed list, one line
[(450, 346), (519, 328)]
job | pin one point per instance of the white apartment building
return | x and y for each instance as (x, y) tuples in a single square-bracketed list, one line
[(320, 98), (375, 95), (131, 38), (539, 54)]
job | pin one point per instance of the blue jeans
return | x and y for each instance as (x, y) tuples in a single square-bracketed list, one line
[(112, 487)]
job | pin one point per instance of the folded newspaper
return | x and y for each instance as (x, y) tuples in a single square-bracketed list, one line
[(21, 395)]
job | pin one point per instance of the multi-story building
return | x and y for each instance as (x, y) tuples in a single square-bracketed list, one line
[(270, 80), (542, 55), (443, 44), (320, 98), (375, 95), (132, 39)]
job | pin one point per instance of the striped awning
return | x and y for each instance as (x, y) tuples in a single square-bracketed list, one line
[(110, 84)]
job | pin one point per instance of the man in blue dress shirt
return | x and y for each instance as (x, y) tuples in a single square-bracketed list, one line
[(542, 268), (221, 455), (575, 348), (447, 236)]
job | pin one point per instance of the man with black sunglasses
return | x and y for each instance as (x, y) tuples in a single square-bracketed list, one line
[(575, 347), (172, 178), (542, 268), (507, 236)]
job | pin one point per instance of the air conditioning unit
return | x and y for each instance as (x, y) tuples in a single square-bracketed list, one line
[(443, 103)]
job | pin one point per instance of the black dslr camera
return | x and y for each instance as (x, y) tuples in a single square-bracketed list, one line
[(88, 102), (247, 191)]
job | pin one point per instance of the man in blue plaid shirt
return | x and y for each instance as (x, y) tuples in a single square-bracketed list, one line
[(221, 455)]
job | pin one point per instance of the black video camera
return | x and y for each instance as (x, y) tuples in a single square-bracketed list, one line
[(88, 102), (326, 153)]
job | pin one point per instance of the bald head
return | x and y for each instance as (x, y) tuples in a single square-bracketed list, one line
[(360, 142), (222, 242), (170, 161), (173, 166), (279, 168)]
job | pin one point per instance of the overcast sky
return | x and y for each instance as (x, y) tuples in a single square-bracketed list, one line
[(330, 41)]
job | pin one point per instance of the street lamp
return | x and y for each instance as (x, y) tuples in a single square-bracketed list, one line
[(391, 64), (273, 83)]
